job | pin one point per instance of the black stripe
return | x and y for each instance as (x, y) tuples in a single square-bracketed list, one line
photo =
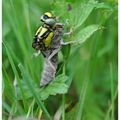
[(45, 35), (48, 26)]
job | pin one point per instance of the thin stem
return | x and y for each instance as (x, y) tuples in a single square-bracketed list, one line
[(63, 98), (63, 107), (112, 91), (110, 107)]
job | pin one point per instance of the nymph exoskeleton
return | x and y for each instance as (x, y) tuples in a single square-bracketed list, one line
[(48, 41)]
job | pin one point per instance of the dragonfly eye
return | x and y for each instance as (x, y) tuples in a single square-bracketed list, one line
[(45, 17)]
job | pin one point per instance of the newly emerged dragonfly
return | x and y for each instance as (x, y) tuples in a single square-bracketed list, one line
[(48, 41)]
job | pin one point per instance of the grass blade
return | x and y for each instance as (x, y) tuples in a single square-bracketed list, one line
[(63, 107), (6, 106), (112, 91), (27, 17), (110, 107), (19, 34), (16, 28), (16, 74), (8, 87), (81, 100), (28, 80)]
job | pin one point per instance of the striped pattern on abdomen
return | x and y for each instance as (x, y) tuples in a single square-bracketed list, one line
[(49, 70)]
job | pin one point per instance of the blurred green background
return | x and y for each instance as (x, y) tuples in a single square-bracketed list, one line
[(92, 67)]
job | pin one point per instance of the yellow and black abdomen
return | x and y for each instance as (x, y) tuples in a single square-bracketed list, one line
[(48, 39), (45, 36)]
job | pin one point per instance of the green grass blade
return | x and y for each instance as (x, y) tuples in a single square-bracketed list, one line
[(30, 110), (111, 105), (6, 107), (19, 35), (27, 17), (8, 86), (63, 107), (16, 74), (17, 28), (112, 91), (28, 80), (13, 109), (81, 100)]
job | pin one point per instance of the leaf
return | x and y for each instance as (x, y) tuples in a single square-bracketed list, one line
[(57, 86), (104, 5), (66, 51), (28, 93), (81, 12), (60, 7), (78, 12), (84, 34)]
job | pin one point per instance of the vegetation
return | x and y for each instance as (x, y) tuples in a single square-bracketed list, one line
[(85, 87)]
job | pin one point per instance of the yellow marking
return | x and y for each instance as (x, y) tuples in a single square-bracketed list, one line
[(48, 40), (48, 14), (38, 30), (43, 30)]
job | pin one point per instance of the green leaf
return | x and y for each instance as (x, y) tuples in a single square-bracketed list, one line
[(84, 34), (28, 93), (77, 15), (57, 86), (104, 5), (81, 12), (60, 7), (66, 51)]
